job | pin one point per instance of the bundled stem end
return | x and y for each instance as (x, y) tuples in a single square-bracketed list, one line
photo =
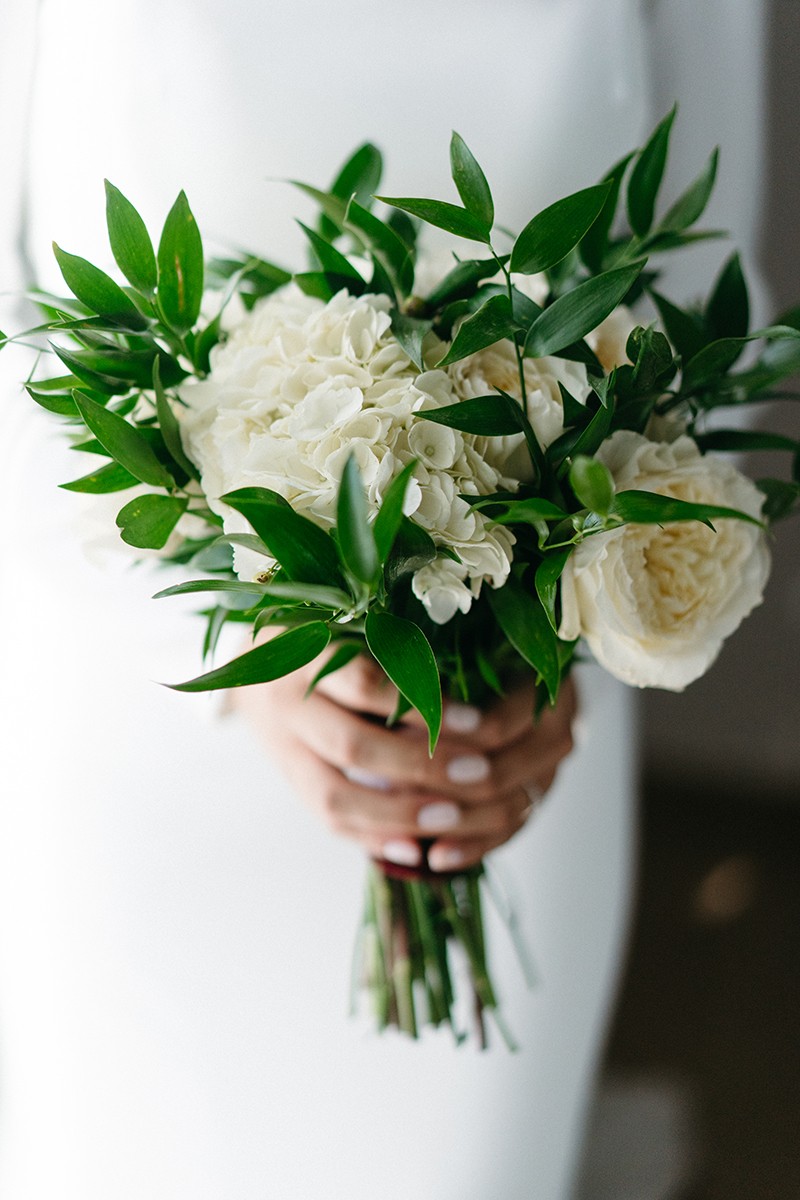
[(420, 930)]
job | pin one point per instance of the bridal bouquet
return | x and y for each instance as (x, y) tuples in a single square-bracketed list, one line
[(464, 474)]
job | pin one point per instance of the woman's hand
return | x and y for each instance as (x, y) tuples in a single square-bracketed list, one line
[(380, 787)]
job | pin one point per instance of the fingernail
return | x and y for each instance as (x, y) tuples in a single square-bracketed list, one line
[(534, 793), (367, 779), (442, 815), (461, 718), (468, 768), (444, 858), (405, 853)]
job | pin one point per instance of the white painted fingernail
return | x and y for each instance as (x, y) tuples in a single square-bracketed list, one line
[(442, 815), (468, 768), (534, 793), (580, 730), (367, 779), (444, 858), (461, 718), (404, 853)]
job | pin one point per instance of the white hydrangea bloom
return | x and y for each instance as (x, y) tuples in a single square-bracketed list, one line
[(301, 384)]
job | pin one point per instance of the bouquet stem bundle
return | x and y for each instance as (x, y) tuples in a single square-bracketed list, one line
[(413, 930)]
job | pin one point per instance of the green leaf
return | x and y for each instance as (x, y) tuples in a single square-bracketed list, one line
[(471, 182), (317, 594), (324, 284), (443, 215), (583, 441), (390, 513), (576, 313), (389, 249), (254, 591), (180, 268), (333, 207), (548, 574), (575, 413), (728, 310), (740, 440), (790, 317), (342, 655), (411, 333), (306, 552), (216, 620), (525, 623), (650, 508), (405, 654), (711, 363), (147, 521), (130, 242), (356, 540), (460, 283), (97, 290), (332, 260), (653, 362), (99, 381), (594, 243), (646, 177), (412, 550), (592, 483), (361, 174), (124, 442), (550, 236), (686, 330), (530, 510), (404, 226), (62, 406), (493, 321), (109, 478), (254, 277), (689, 207), (262, 495), (360, 177), (779, 359), (281, 656), (782, 498), (485, 416), (168, 424)]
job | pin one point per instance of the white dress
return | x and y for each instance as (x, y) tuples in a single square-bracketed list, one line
[(175, 929)]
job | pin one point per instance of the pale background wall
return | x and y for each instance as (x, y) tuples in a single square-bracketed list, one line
[(739, 727)]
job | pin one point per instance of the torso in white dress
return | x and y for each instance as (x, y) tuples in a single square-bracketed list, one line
[(175, 929)]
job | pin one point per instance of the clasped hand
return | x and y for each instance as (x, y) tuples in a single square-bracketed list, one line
[(379, 786)]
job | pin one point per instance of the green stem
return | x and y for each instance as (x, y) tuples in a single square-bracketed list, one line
[(437, 986)]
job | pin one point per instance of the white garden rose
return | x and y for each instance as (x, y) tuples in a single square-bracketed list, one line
[(495, 369), (655, 603), (610, 339), (300, 385)]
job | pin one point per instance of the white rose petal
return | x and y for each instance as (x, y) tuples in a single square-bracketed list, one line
[(656, 603), (496, 369), (610, 337)]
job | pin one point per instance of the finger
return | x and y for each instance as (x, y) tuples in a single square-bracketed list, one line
[(509, 718), (532, 759), (367, 751), (377, 757)]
